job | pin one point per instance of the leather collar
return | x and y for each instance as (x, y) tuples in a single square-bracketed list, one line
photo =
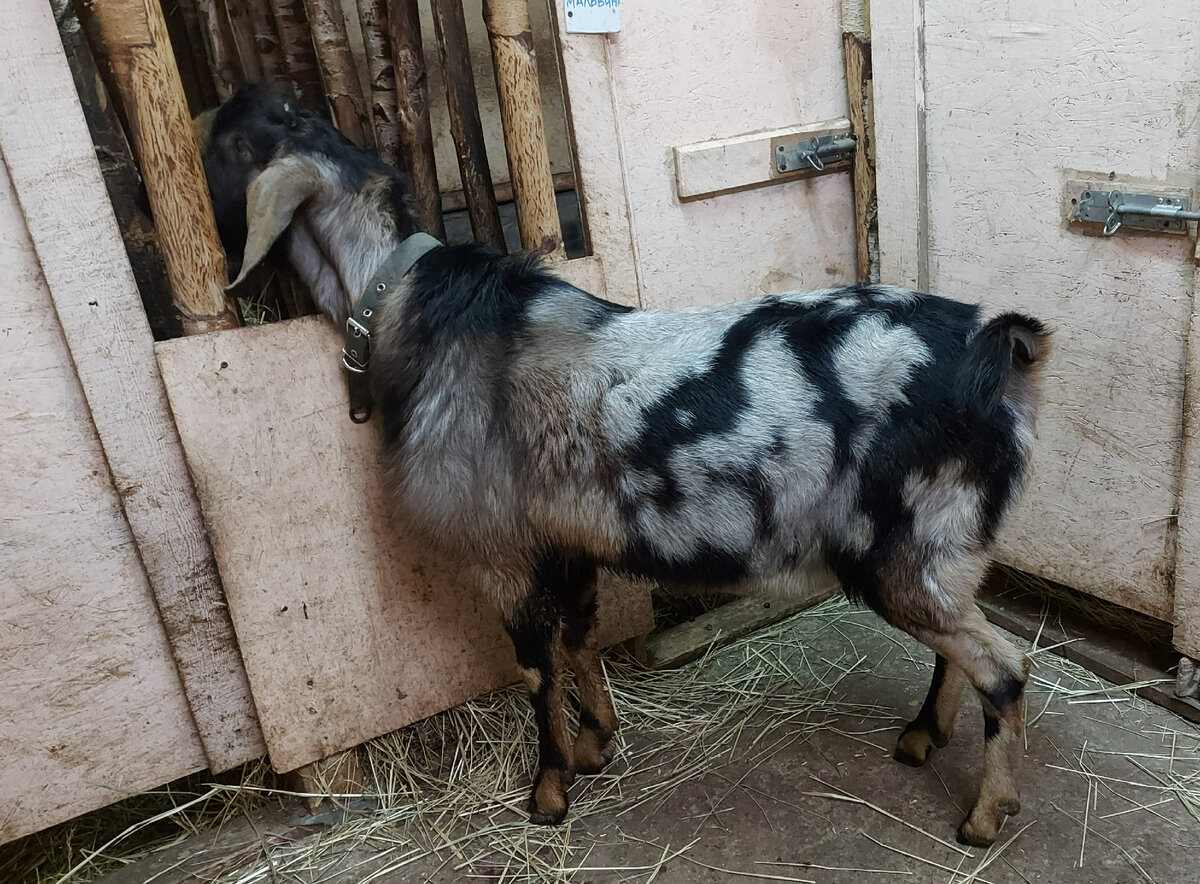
[(356, 354)]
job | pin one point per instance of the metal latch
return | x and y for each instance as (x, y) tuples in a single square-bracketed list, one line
[(1139, 211), (814, 153)]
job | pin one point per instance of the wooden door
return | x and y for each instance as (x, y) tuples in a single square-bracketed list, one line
[(984, 113), (709, 81)]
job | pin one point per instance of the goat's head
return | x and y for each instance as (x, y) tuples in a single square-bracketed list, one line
[(280, 173)]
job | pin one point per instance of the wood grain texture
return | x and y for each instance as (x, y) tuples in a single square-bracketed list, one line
[(349, 626), (220, 46), (241, 26), (466, 126), (54, 170), (525, 131), (413, 131), (338, 74), (517, 84), (856, 54), (720, 626), (152, 94), (91, 710), (1016, 98), (723, 75), (1186, 613), (121, 177), (725, 165), (299, 57), (381, 75), (897, 35), (596, 143)]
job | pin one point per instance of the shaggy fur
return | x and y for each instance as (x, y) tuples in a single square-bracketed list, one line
[(871, 434)]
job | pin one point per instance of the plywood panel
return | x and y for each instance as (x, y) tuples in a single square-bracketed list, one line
[(91, 709), (349, 626), (62, 195), (712, 70), (1017, 95)]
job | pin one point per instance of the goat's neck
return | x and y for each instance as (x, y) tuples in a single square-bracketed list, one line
[(343, 239)]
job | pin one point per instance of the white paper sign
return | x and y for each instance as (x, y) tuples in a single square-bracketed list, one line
[(593, 16)]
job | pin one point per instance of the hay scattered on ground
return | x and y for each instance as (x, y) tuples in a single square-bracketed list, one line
[(449, 793)]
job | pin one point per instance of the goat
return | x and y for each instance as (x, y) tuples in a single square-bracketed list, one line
[(868, 434)]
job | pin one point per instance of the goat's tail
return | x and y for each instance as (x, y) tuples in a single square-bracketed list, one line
[(1001, 360)]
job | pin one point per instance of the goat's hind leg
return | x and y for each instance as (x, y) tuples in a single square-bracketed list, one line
[(934, 724), (998, 672), (536, 632), (594, 745)]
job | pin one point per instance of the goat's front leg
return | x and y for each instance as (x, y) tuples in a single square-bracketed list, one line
[(536, 632)]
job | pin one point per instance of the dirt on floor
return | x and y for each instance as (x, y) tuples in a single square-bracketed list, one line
[(767, 760)]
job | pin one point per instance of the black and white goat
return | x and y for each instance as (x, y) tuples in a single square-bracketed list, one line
[(871, 434)]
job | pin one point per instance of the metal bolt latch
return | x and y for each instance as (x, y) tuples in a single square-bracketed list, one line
[(1138, 211), (814, 153)]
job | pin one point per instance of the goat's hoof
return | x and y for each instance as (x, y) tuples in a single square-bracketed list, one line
[(982, 825), (548, 803), (590, 755), (914, 747), (547, 818)]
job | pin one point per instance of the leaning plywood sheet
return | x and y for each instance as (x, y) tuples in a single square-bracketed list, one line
[(57, 180), (91, 707), (349, 626)]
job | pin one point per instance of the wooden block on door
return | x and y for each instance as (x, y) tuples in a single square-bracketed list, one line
[(349, 626)]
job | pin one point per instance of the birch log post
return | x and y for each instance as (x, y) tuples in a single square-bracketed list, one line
[(219, 44), (337, 70), (135, 35), (373, 19), (295, 41), (242, 28), (465, 125), (413, 133), (524, 129), (121, 178), (265, 41), (857, 55)]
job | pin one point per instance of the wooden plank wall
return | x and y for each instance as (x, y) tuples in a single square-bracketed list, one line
[(92, 709), (721, 72), (1014, 98)]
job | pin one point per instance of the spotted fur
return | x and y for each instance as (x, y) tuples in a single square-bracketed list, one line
[(870, 434)]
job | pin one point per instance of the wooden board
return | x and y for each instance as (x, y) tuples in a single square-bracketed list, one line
[(711, 168), (897, 62), (1187, 565), (58, 183), (722, 625), (349, 626), (91, 709), (674, 77), (1016, 97)]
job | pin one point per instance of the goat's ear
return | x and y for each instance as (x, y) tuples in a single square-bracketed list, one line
[(202, 125), (271, 200)]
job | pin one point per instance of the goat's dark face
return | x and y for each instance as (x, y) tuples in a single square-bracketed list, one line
[(237, 141)]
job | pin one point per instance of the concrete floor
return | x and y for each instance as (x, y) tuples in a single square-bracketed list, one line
[(755, 805)]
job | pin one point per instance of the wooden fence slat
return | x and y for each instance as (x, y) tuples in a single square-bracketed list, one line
[(291, 23), (120, 176), (338, 75), (373, 19), (466, 128), (524, 128), (50, 156), (220, 46), (161, 128)]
